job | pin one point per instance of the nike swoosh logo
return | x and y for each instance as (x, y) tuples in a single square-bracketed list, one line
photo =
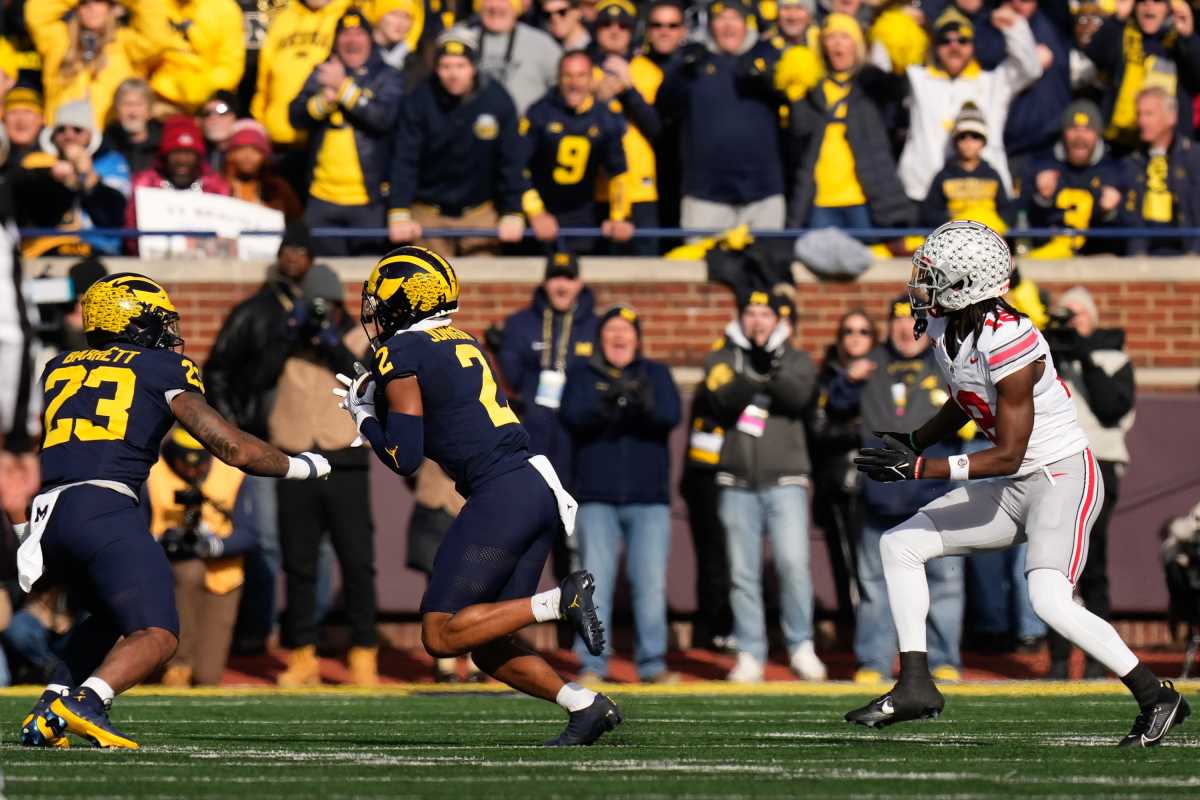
[(887, 707)]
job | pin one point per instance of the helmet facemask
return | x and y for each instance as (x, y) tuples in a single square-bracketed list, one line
[(960, 264)]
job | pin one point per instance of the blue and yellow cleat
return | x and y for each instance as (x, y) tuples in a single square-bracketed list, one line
[(42, 727), (86, 717)]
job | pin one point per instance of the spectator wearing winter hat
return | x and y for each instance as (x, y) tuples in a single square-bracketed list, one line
[(846, 177), (133, 132), (759, 388), (249, 173), (400, 27), (23, 121), (457, 158), (86, 51), (205, 52), (68, 185), (732, 169), (968, 187), (180, 166), (953, 77), (1077, 186), (620, 408), (520, 57), (349, 106), (216, 117)]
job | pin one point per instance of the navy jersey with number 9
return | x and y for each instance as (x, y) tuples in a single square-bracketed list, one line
[(107, 410), (469, 428)]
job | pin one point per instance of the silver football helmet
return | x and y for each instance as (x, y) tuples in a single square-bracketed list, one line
[(960, 264)]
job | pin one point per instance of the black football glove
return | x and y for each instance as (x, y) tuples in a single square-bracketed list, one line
[(887, 465), (898, 441)]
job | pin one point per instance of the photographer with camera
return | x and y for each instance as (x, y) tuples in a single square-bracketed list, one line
[(190, 499), (324, 341), (1099, 377), (620, 408)]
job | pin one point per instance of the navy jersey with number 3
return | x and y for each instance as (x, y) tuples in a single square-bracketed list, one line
[(106, 412), (469, 428)]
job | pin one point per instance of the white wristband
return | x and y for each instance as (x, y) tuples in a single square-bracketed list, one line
[(960, 467), (300, 468)]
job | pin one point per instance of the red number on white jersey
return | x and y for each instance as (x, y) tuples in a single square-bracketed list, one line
[(977, 409)]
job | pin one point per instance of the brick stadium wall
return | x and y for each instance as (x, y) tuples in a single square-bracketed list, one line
[(1156, 301)]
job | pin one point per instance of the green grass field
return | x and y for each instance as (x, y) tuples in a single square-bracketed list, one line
[(786, 740)]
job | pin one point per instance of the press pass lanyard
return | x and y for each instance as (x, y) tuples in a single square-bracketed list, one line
[(560, 352)]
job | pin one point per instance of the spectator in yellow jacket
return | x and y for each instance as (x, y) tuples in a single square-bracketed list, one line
[(300, 37), (206, 52), (86, 54)]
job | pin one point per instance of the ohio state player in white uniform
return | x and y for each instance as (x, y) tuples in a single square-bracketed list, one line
[(1040, 481)]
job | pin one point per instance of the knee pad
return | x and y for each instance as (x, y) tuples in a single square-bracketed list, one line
[(912, 543)]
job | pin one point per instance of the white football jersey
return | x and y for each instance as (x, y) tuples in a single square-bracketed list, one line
[(1007, 344)]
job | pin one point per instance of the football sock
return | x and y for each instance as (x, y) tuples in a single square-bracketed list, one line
[(904, 552), (1144, 684), (57, 688), (914, 666), (545, 605), (1050, 594), (100, 688), (574, 697)]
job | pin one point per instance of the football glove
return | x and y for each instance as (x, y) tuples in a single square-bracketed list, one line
[(899, 441), (357, 398), (886, 465)]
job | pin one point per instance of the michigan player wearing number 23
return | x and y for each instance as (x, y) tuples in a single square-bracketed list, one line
[(431, 393), (1041, 482), (107, 409)]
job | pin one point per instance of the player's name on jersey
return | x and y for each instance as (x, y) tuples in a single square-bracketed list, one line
[(113, 355), (448, 334)]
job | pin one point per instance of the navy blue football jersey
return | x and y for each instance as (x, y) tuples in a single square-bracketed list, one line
[(469, 428), (107, 412)]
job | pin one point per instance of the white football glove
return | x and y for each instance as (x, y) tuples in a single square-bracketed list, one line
[(307, 466), (357, 398)]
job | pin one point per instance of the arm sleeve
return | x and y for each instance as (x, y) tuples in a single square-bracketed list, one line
[(375, 112), (399, 443), (406, 152), (1021, 67), (1013, 346)]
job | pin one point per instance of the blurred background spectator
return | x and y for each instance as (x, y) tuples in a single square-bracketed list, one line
[(968, 187), (324, 341), (564, 21), (88, 50), (1030, 130), (836, 429), (205, 52), (191, 499), (902, 391), (1146, 43), (217, 117), (23, 122), (72, 186), (348, 106), (1164, 175), (249, 173), (760, 389), (797, 34), (539, 343), (133, 132), (522, 58), (457, 158), (569, 139), (666, 32), (846, 175), (733, 71), (401, 31), (1078, 186), (620, 408), (1099, 376)]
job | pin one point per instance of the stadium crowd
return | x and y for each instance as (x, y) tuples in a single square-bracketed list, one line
[(412, 116), (508, 115)]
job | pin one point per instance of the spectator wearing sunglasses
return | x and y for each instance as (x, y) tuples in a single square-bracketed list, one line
[(217, 116), (665, 34), (968, 187), (1146, 43), (939, 91), (564, 21)]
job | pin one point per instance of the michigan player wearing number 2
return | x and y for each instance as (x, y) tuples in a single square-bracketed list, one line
[(1039, 481), (431, 393), (107, 410)]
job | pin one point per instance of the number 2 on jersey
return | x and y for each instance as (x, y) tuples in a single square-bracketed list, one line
[(977, 409), (115, 408), (469, 354)]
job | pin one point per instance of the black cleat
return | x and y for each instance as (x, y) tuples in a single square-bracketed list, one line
[(576, 607), (1152, 725), (584, 727), (904, 703)]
